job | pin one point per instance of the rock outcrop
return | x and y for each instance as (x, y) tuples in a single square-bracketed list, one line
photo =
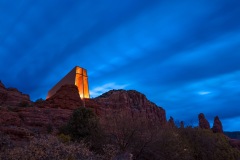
[(24, 122), (203, 122), (12, 97), (66, 97), (217, 125), (131, 103)]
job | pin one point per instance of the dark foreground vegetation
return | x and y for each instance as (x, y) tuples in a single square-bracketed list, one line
[(120, 137)]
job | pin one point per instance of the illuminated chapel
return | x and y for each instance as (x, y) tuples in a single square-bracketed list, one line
[(77, 76)]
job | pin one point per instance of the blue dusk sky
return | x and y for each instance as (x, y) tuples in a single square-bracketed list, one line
[(183, 55)]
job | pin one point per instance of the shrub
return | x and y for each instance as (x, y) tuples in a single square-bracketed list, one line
[(49, 147), (84, 125), (167, 144), (130, 135)]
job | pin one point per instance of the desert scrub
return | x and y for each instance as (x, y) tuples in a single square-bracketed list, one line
[(49, 147)]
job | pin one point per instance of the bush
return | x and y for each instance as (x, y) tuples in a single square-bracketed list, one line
[(84, 125), (167, 144), (49, 147)]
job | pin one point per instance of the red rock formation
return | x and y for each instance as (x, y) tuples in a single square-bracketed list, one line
[(217, 125), (12, 97), (203, 123), (67, 97), (21, 122), (49, 115), (131, 103), (24, 122)]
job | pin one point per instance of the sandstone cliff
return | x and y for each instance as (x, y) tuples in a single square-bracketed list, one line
[(130, 103)]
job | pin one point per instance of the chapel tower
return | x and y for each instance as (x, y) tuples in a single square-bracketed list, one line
[(77, 76)]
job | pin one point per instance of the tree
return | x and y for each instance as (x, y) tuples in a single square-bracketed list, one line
[(129, 134), (83, 125)]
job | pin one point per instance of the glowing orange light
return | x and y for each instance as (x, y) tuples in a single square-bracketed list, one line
[(81, 81)]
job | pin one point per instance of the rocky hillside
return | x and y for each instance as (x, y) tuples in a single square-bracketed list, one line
[(47, 116), (12, 97)]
